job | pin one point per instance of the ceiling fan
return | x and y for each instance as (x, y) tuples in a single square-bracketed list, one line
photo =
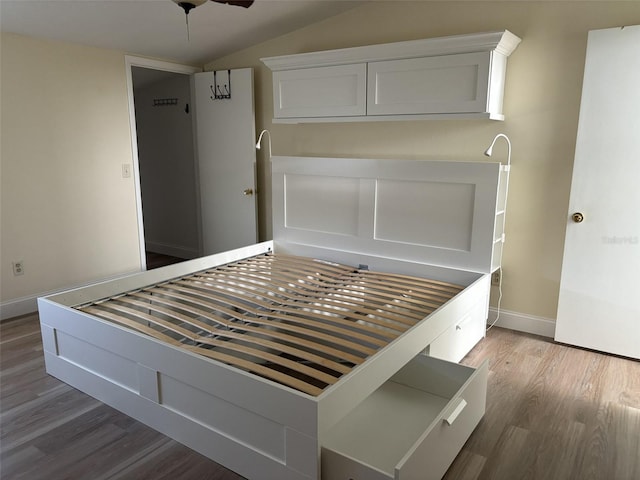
[(189, 5)]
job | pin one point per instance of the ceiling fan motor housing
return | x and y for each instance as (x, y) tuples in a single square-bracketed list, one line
[(191, 4)]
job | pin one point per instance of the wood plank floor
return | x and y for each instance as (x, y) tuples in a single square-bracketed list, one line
[(553, 412), (157, 260)]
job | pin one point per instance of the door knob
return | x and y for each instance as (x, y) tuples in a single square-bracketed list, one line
[(577, 217), (248, 191)]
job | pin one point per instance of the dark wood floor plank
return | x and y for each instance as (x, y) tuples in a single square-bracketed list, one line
[(15, 464), (627, 442), (16, 327), (25, 426), (467, 466), (560, 462), (20, 350), (512, 457), (508, 371), (95, 447), (622, 382), (30, 387), (181, 462), (157, 260), (598, 453), (136, 457), (66, 458), (553, 413)]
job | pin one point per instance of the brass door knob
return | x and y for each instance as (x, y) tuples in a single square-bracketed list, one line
[(248, 191), (577, 217)]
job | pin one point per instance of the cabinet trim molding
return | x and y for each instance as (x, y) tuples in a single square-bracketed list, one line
[(503, 42)]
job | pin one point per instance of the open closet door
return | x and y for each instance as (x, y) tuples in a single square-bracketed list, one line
[(599, 290), (225, 149)]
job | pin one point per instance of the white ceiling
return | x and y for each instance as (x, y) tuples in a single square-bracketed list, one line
[(157, 28)]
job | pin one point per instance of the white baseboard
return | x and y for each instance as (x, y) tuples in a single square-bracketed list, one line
[(18, 307), (172, 250), (29, 304), (523, 322)]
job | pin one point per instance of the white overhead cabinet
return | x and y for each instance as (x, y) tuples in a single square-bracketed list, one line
[(443, 84), (321, 91), (461, 76)]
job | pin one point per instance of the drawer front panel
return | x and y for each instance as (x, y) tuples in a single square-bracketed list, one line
[(445, 84), (435, 451), (320, 92), (411, 428), (459, 339)]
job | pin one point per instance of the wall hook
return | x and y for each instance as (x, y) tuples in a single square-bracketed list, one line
[(217, 92)]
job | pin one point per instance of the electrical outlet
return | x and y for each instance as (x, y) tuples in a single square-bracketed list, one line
[(18, 267), (496, 278)]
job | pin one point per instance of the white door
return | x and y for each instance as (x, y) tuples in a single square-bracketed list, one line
[(599, 304), (225, 146)]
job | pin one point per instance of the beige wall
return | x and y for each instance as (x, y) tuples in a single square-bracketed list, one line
[(542, 101), (66, 210)]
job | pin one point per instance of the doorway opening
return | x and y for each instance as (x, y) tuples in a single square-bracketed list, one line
[(164, 161)]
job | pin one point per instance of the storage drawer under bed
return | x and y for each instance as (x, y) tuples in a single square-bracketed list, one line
[(457, 340), (412, 427)]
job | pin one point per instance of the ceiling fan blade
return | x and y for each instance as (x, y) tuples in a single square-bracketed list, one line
[(238, 3)]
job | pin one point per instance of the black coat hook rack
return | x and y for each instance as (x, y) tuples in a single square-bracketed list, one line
[(164, 102), (221, 92)]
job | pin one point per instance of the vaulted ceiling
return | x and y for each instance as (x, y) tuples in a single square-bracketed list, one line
[(157, 28)]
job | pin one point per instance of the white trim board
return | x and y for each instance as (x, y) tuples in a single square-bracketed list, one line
[(18, 307), (523, 322)]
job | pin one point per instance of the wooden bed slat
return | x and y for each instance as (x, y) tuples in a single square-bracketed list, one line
[(303, 302), (426, 292), (261, 354), (298, 321), (309, 265), (408, 280), (300, 330), (294, 352), (260, 369), (344, 283), (241, 326), (226, 358), (132, 324), (307, 291), (341, 301), (332, 316)]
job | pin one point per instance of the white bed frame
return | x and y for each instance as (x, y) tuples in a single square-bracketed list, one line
[(438, 220)]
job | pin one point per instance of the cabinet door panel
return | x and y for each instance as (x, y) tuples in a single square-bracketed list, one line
[(444, 84), (320, 92)]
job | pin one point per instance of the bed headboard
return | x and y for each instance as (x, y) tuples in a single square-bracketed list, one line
[(428, 212)]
